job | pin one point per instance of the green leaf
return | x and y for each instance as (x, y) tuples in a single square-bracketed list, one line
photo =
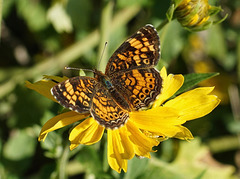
[(191, 162), (201, 175), (57, 12), (190, 80), (127, 3), (90, 160), (172, 32), (82, 73), (6, 7), (177, 2), (216, 45), (136, 167), (234, 126), (33, 13), (170, 12), (22, 142)]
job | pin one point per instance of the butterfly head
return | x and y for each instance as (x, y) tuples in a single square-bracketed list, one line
[(102, 78)]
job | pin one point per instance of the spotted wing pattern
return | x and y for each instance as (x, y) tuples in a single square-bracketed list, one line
[(130, 82), (140, 87), (106, 111), (75, 93), (131, 68), (141, 50)]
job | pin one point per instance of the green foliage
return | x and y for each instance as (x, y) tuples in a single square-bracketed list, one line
[(42, 37), (190, 162), (191, 80)]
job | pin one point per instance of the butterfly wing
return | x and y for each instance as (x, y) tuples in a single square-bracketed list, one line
[(139, 87), (141, 50), (86, 95), (75, 93), (106, 111)]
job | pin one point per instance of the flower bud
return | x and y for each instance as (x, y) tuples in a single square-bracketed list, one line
[(195, 14)]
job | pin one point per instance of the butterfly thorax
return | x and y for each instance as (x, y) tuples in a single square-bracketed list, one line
[(105, 81)]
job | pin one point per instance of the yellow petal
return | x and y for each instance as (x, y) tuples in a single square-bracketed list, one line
[(179, 132), (195, 103), (60, 121), (88, 132), (142, 144), (58, 79), (156, 118), (171, 84), (120, 149), (43, 86), (183, 133)]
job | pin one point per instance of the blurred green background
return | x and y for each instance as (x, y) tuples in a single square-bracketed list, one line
[(41, 37)]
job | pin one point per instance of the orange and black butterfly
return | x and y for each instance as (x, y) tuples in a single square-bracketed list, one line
[(130, 82)]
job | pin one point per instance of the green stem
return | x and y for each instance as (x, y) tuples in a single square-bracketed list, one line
[(238, 59), (104, 34), (62, 163), (1, 4), (165, 22), (224, 143)]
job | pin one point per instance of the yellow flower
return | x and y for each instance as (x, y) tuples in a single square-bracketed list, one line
[(144, 129), (195, 14)]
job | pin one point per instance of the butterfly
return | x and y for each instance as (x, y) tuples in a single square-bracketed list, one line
[(130, 82)]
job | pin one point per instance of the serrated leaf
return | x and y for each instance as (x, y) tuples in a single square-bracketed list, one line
[(190, 80)]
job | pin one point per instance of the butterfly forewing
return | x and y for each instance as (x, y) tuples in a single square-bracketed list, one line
[(75, 93), (141, 50)]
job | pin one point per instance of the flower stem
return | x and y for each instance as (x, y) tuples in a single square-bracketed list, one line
[(1, 4), (162, 24), (62, 163), (104, 34), (224, 143)]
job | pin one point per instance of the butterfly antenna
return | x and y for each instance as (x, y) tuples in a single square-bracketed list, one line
[(78, 69), (105, 45)]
